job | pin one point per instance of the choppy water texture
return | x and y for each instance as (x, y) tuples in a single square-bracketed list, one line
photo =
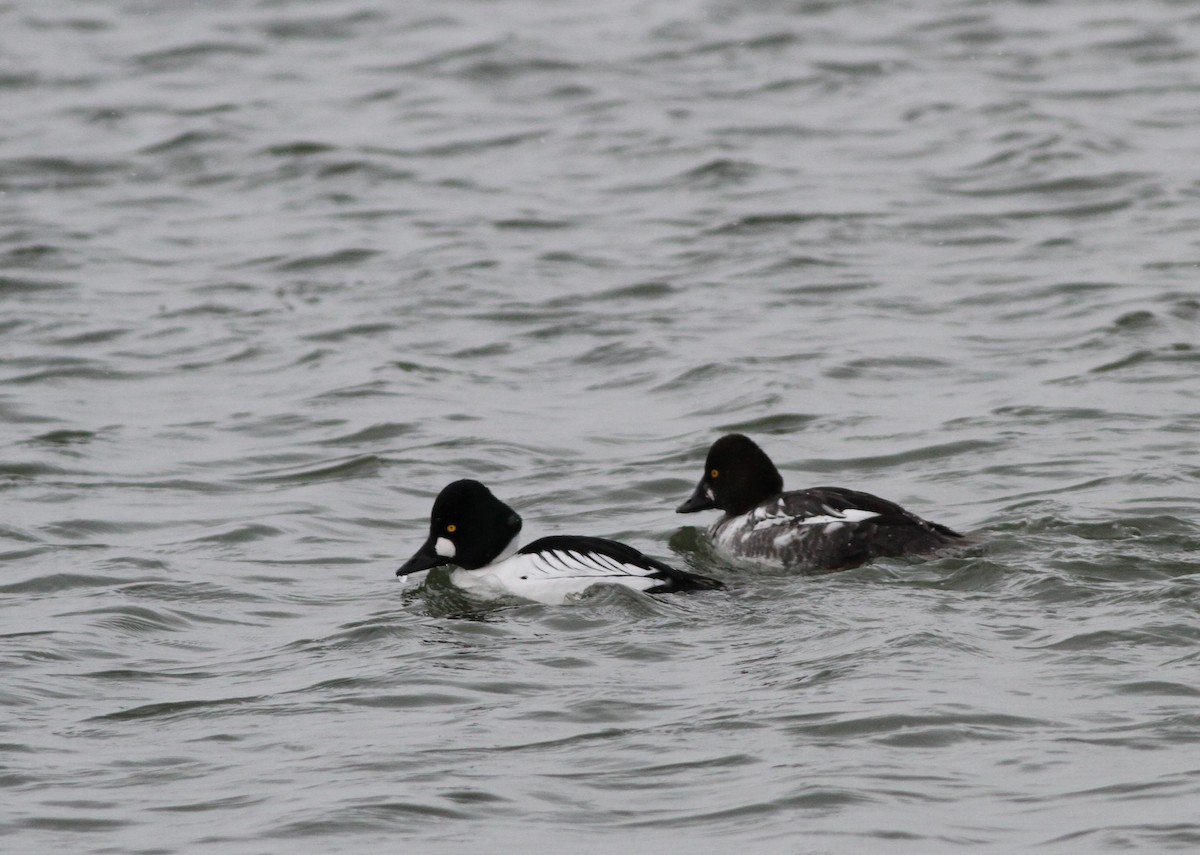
[(272, 273)]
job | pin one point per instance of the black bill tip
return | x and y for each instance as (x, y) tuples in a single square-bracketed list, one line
[(423, 560), (699, 501)]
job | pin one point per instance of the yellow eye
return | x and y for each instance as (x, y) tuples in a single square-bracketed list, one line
[(713, 474), (452, 528)]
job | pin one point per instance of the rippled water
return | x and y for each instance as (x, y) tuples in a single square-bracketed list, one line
[(272, 273)]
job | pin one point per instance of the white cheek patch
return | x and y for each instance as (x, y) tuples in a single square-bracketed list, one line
[(444, 547), (708, 491)]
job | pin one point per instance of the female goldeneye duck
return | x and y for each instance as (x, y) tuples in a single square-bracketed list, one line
[(475, 531), (823, 529)]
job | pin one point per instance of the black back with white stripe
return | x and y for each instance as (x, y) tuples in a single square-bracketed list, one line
[(566, 556)]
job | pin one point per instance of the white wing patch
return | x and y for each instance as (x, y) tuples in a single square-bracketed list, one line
[(560, 563), (833, 517), (553, 576)]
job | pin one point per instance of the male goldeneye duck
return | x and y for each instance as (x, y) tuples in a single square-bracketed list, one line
[(475, 531), (822, 529)]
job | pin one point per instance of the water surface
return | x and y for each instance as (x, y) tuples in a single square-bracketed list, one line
[(272, 273)]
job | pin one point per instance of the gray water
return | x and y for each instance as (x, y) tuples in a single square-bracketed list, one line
[(272, 273)]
